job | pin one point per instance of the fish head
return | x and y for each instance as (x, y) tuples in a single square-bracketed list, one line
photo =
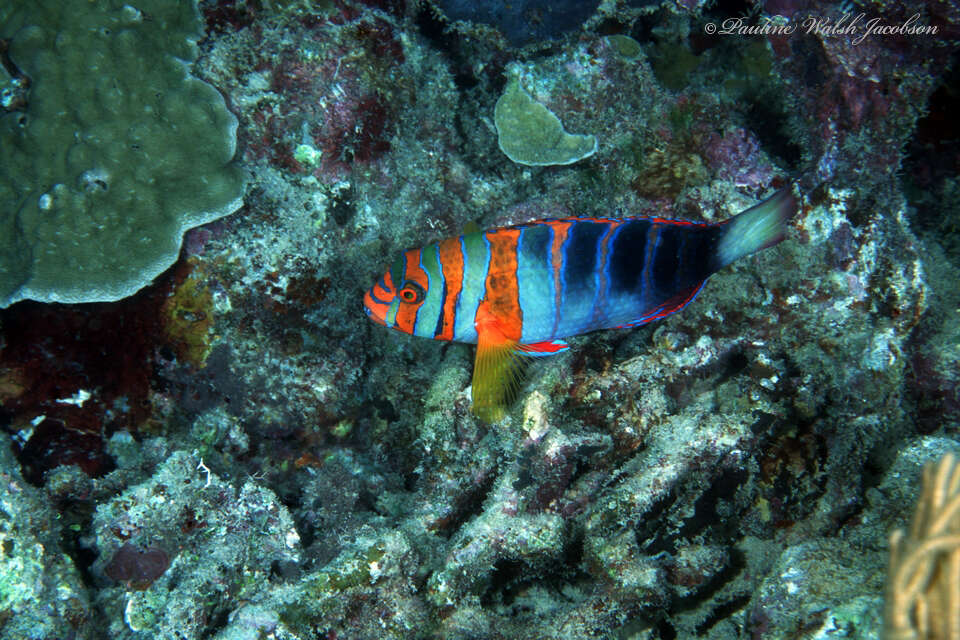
[(396, 299)]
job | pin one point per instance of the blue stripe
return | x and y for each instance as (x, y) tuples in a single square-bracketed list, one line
[(438, 329), (476, 261), (600, 300), (426, 320), (650, 251), (580, 277), (535, 282), (374, 297), (562, 270), (608, 258)]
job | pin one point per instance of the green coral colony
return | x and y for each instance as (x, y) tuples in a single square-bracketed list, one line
[(529, 133), (117, 152)]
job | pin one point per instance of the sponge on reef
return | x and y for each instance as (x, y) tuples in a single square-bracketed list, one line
[(116, 153), (531, 134)]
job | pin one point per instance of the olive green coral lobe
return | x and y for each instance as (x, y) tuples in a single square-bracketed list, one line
[(117, 152), (529, 133)]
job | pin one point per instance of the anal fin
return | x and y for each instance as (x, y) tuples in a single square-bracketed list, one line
[(497, 374), (670, 306), (498, 371), (499, 366), (545, 348)]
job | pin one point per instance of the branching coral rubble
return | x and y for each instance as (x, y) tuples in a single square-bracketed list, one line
[(923, 588)]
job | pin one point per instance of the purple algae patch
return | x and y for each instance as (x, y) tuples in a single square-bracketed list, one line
[(138, 567)]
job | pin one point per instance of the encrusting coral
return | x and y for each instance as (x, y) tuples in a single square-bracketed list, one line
[(116, 152), (923, 586), (531, 134)]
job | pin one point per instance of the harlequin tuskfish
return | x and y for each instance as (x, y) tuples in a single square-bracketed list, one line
[(519, 290)]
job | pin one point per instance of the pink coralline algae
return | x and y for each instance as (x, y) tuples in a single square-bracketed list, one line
[(860, 88), (137, 567), (736, 156), (356, 129), (331, 91)]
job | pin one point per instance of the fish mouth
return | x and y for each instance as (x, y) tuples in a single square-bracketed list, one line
[(376, 310)]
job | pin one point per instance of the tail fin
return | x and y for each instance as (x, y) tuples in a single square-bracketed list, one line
[(759, 227)]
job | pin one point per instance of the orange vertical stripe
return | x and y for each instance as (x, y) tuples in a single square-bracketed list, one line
[(407, 313), (560, 230), (501, 301), (603, 271), (451, 262)]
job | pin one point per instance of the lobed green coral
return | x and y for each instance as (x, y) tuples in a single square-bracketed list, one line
[(117, 152), (529, 133)]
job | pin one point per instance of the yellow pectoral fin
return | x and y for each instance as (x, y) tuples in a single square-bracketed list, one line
[(497, 374)]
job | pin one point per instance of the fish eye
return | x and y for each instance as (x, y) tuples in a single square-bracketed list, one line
[(411, 292)]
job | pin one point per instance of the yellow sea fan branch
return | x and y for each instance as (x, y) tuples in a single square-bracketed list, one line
[(923, 584)]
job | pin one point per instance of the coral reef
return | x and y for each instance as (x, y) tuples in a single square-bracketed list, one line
[(42, 594), (220, 542), (525, 21), (236, 452)]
